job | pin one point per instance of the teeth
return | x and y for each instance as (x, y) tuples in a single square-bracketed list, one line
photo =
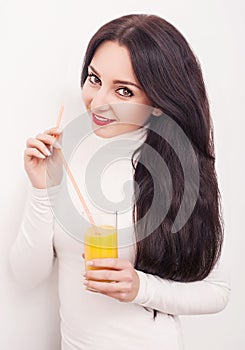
[(101, 119)]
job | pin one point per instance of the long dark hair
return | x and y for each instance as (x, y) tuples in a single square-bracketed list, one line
[(170, 74)]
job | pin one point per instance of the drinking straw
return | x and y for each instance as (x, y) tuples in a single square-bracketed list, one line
[(69, 173), (60, 116)]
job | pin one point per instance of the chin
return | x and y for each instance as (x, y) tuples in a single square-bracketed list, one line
[(113, 129), (107, 130)]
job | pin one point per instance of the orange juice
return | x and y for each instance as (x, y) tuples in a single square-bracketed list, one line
[(100, 242)]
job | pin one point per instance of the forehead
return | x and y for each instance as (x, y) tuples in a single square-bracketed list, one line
[(113, 60)]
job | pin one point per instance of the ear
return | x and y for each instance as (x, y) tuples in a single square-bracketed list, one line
[(157, 112)]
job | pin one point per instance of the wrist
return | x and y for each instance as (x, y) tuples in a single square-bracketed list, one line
[(140, 297)]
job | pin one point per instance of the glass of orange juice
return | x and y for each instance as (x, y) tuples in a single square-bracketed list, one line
[(100, 241)]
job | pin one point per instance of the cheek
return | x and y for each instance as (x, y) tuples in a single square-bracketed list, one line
[(132, 112)]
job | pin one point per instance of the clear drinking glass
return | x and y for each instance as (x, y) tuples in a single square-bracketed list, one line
[(100, 241)]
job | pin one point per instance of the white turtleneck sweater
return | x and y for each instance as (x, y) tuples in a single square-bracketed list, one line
[(92, 321)]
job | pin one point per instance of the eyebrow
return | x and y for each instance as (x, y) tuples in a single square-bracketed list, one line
[(116, 81)]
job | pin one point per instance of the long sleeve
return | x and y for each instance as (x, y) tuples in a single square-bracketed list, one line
[(208, 296), (32, 254)]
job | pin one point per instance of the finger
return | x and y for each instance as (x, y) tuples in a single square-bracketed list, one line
[(56, 145), (54, 131), (104, 275), (102, 287), (91, 290), (39, 145), (33, 152), (111, 263), (47, 139), (116, 290)]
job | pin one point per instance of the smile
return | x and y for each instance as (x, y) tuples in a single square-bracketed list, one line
[(97, 119)]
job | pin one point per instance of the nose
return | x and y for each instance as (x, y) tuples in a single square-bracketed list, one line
[(100, 101)]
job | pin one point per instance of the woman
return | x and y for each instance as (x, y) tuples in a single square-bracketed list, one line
[(141, 80)]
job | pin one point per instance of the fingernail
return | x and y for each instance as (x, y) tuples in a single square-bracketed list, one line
[(90, 263), (85, 282), (46, 151)]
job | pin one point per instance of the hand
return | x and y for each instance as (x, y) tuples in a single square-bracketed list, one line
[(124, 279), (38, 152)]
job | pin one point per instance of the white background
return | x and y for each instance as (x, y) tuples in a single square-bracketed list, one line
[(42, 48)]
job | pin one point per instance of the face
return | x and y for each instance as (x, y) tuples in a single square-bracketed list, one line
[(111, 93)]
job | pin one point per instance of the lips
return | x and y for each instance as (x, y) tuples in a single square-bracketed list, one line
[(99, 120)]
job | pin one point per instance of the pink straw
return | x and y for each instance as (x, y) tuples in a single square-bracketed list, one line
[(69, 173)]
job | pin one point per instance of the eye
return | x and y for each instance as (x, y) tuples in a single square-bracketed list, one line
[(93, 78), (128, 92)]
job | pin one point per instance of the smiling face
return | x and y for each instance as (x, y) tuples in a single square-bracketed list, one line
[(111, 93)]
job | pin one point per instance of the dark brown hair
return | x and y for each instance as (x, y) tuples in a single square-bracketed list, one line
[(171, 77)]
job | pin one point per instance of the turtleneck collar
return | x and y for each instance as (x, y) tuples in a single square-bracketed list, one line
[(125, 143)]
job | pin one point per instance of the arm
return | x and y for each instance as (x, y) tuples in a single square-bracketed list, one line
[(32, 254), (208, 296)]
